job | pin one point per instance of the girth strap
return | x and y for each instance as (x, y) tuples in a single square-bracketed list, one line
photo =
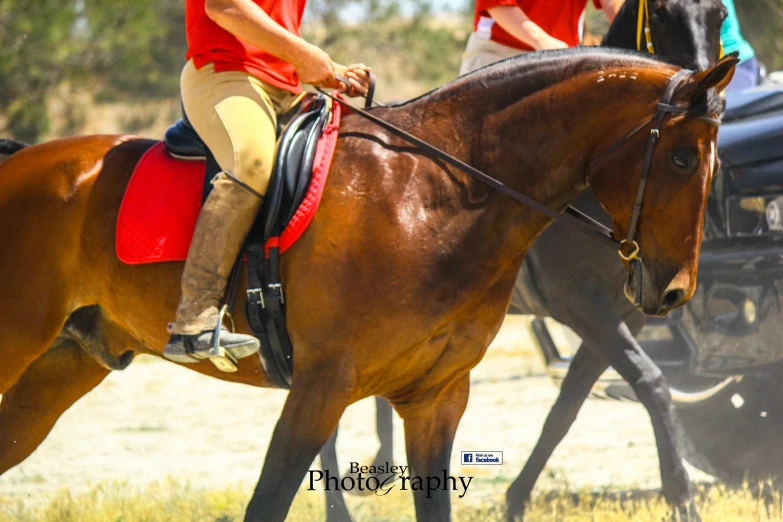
[(266, 313)]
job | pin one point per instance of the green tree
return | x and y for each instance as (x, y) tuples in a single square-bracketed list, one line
[(135, 48), (37, 47), (761, 24), (131, 49)]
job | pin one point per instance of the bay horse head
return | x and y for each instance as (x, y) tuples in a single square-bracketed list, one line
[(665, 230), (684, 32), (587, 121)]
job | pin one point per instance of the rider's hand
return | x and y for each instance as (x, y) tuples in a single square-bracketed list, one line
[(358, 75), (314, 67), (551, 43)]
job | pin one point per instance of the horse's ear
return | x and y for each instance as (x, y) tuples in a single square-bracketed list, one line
[(717, 76)]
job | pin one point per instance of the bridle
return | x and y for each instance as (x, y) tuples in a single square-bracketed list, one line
[(663, 108), (571, 216)]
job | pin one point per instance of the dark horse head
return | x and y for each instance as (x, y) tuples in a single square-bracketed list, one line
[(684, 32)]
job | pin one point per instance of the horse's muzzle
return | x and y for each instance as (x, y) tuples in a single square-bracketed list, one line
[(641, 290)]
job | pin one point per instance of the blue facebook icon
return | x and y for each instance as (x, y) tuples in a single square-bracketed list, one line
[(467, 457)]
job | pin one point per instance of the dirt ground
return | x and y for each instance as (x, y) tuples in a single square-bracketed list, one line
[(156, 420)]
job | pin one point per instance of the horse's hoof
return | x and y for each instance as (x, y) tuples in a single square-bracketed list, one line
[(515, 508), (685, 513)]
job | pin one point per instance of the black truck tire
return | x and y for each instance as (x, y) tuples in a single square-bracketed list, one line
[(736, 434)]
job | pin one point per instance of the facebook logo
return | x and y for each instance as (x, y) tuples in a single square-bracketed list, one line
[(482, 458)]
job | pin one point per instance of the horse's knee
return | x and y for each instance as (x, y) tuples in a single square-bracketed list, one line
[(652, 389)]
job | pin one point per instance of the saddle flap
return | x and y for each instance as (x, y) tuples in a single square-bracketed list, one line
[(292, 170)]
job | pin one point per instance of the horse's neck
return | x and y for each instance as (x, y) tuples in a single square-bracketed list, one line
[(622, 32), (536, 147), (538, 144)]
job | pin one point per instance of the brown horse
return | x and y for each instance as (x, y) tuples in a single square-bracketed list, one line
[(404, 276)]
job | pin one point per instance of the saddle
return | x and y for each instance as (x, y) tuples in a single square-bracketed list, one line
[(293, 194), (298, 131)]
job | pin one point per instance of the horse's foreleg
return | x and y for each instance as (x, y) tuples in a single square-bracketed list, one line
[(314, 406), (47, 388), (336, 510), (429, 436), (584, 371), (651, 388)]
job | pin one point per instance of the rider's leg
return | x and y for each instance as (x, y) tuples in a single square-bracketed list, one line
[(235, 115), (481, 52)]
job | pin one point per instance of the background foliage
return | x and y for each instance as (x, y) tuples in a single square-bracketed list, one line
[(76, 54)]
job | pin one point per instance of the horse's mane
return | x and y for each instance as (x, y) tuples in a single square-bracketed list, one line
[(529, 73), (8, 147)]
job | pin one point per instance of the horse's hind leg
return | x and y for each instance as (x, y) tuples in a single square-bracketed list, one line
[(336, 510), (384, 425), (48, 387), (18, 350), (384, 418), (584, 371)]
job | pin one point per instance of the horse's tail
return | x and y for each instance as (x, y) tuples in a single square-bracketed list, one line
[(8, 147)]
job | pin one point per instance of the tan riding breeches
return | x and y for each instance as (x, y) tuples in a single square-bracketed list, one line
[(236, 116), (480, 52)]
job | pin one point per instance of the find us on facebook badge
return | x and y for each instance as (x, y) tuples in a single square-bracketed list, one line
[(481, 458)]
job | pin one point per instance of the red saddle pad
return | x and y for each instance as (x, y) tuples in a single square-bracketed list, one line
[(160, 207), (159, 210)]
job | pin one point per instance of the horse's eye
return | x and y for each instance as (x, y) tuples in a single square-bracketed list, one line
[(683, 162), (680, 162)]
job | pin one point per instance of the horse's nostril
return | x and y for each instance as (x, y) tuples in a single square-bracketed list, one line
[(672, 298)]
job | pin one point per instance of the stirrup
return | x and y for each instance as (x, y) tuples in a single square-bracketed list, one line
[(219, 356)]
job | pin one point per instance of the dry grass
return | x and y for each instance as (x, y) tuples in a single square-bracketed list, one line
[(177, 501)]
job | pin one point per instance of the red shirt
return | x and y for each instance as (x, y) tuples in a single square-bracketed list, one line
[(208, 42), (561, 19)]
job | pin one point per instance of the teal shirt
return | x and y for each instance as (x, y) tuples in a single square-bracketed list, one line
[(731, 37)]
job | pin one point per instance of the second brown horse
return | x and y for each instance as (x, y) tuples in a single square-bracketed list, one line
[(404, 276)]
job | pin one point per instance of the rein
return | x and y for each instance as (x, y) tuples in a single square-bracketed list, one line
[(572, 216)]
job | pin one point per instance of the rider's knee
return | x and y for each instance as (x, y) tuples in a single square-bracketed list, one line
[(254, 167)]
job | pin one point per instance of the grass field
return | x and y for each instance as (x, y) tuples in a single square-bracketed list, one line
[(176, 501), (110, 456)]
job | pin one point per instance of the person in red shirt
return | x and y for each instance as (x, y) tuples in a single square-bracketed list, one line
[(506, 28), (246, 60)]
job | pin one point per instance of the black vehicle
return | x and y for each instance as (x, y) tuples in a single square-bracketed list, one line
[(723, 352)]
